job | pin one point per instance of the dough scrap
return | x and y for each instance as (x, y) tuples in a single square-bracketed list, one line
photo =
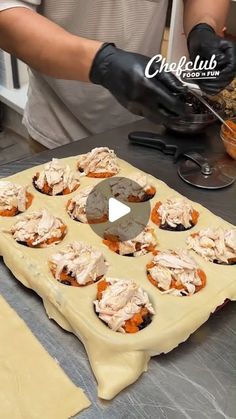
[(32, 384)]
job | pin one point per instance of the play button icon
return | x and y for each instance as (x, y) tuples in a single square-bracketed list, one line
[(120, 213), (116, 210)]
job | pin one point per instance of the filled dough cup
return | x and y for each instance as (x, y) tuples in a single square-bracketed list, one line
[(14, 199), (101, 162), (38, 229), (135, 188), (176, 273), (175, 214), (78, 265), (216, 245), (121, 238), (56, 179), (88, 206), (123, 305)]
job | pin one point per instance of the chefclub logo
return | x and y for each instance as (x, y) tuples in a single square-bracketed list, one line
[(184, 69)]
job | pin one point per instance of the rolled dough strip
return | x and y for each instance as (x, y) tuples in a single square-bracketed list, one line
[(32, 384)]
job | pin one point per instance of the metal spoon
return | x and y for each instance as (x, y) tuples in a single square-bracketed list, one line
[(202, 100), (196, 91)]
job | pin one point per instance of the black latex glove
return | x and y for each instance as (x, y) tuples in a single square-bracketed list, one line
[(122, 73), (203, 41)]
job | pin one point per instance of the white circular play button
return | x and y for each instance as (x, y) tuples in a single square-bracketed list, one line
[(117, 210), (130, 218)]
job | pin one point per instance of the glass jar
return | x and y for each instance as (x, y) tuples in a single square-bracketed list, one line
[(229, 139)]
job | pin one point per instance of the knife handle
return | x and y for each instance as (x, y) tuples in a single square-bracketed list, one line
[(150, 139)]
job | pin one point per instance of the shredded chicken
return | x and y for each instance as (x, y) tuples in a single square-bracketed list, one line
[(96, 209), (136, 185), (176, 211), (214, 244), (98, 160), (58, 177), (12, 195), (178, 266), (38, 227), (139, 244), (80, 260), (120, 301)]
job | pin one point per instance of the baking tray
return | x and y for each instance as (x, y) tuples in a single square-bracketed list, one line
[(123, 356), (196, 379)]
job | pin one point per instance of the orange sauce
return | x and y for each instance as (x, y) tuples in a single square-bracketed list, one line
[(229, 138)]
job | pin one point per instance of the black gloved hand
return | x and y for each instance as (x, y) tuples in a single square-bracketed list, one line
[(122, 73), (203, 41)]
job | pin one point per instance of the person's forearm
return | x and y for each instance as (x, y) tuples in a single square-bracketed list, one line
[(45, 46), (212, 12)]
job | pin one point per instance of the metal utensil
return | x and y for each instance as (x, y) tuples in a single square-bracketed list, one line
[(204, 102), (195, 169), (196, 91), (200, 172), (193, 123)]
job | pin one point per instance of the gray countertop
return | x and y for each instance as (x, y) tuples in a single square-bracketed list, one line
[(197, 379)]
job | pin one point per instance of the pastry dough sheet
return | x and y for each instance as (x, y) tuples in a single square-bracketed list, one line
[(32, 385), (112, 354)]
